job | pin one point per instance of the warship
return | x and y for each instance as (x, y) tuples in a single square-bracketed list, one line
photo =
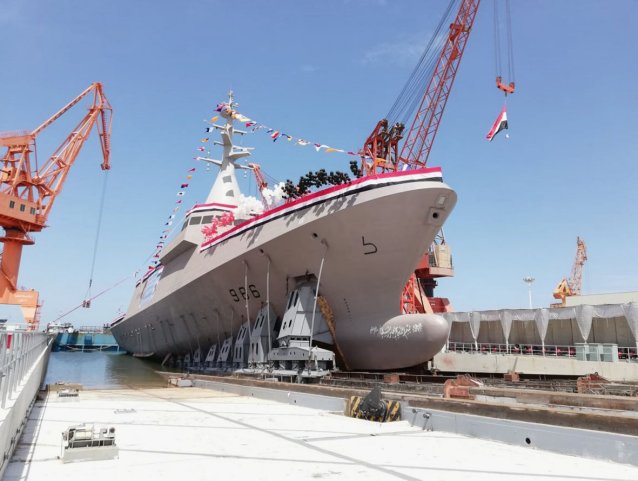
[(309, 284)]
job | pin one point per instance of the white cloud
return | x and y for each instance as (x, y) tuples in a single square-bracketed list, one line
[(309, 68), (403, 51)]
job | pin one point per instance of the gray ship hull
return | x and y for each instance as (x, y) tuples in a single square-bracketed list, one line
[(370, 233)]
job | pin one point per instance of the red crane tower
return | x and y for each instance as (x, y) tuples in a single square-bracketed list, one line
[(573, 285), (27, 193), (381, 153), (262, 184)]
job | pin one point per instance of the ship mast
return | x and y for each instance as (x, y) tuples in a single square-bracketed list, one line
[(225, 190)]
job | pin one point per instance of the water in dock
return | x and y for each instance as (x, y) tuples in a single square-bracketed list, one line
[(102, 370)]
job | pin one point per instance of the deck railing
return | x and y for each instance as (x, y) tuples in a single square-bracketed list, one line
[(19, 350), (624, 353)]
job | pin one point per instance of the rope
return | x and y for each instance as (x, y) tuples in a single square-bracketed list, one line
[(250, 336), (94, 297), (497, 41), (232, 339), (509, 47), (410, 96), (87, 301), (268, 305), (510, 43), (314, 307), (219, 346)]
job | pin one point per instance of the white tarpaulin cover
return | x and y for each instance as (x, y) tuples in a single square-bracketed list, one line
[(541, 317), (630, 311), (583, 316)]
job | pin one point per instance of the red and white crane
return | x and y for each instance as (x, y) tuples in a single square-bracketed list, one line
[(573, 285), (382, 152)]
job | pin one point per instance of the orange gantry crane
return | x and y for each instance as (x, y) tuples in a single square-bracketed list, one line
[(573, 285), (27, 192), (381, 151)]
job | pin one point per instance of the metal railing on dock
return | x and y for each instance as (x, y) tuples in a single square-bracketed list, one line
[(19, 350), (566, 351), (23, 362)]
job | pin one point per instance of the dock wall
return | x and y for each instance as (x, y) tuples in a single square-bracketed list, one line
[(489, 363), (465, 418), (85, 342), (24, 358)]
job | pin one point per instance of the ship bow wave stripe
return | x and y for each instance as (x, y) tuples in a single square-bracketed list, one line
[(359, 185)]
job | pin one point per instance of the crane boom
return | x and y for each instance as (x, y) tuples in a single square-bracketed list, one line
[(37, 190), (262, 184), (573, 285), (381, 151), (576, 277), (27, 194), (418, 143)]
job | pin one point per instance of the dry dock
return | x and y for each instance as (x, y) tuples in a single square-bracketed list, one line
[(195, 433)]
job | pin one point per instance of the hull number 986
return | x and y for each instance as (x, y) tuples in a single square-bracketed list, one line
[(241, 293)]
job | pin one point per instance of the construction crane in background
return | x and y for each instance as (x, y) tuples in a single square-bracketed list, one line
[(504, 49), (573, 285), (423, 99), (381, 152), (262, 185), (27, 192)]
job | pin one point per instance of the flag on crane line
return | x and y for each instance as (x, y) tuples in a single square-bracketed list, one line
[(499, 124)]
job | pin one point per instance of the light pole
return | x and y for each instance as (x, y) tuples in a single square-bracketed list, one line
[(529, 280)]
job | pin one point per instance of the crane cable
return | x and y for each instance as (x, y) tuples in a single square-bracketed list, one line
[(508, 49), (104, 291), (408, 100), (87, 297)]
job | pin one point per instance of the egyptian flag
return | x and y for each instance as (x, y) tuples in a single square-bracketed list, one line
[(499, 124)]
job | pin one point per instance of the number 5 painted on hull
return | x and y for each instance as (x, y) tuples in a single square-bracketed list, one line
[(370, 245)]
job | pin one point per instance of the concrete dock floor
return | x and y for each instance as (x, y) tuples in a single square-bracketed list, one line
[(198, 434)]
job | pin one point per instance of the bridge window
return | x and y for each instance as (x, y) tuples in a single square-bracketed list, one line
[(22, 207), (12, 204)]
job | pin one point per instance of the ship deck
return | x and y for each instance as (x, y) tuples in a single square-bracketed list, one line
[(195, 433)]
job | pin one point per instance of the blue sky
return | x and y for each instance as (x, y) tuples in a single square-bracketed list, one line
[(327, 71)]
